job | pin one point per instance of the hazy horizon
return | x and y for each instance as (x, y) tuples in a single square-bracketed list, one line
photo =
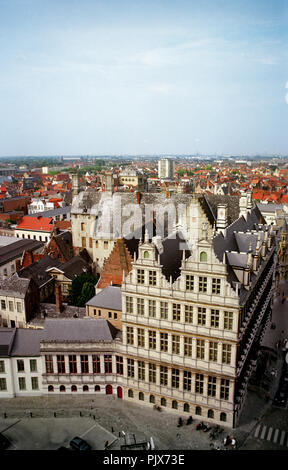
[(142, 77)]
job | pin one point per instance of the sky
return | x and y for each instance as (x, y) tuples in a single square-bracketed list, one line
[(139, 77)]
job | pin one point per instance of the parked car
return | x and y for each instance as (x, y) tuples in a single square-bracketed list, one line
[(79, 444), (4, 442)]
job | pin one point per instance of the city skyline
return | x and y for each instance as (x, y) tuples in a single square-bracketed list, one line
[(112, 78)]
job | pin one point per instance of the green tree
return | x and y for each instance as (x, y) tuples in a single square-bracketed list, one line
[(82, 289)]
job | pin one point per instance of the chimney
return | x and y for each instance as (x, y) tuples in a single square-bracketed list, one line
[(167, 194), (58, 298), (243, 206), (222, 218), (75, 184), (138, 196)]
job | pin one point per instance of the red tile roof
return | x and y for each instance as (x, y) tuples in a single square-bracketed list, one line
[(41, 224)]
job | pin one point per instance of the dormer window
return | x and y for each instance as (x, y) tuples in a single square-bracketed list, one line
[(203, 257)]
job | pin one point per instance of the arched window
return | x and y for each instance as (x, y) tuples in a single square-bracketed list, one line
[(210, 414), (146, 254), (97, 388), (223, 417), (85, 388), (198, 410), (130, 394), (163, 401), (62, 388), (203, 256), (73, 388), (186, 407), (174, 405), (152, 399), (50, 388), (141, 396)]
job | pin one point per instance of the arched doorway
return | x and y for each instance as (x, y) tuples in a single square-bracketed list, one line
[(109, 390), (119, 392)]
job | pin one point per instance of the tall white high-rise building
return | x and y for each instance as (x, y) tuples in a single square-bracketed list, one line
[(166, 168)]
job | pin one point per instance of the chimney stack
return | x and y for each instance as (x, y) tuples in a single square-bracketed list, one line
[(138, 196), (222, 218), (58, 298)]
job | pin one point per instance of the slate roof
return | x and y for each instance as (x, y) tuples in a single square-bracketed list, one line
[(15, 250), (78, 330), (14, 285), (109, 298), (53, 212), (6, 341), (27, 342), (171, 257), (37, 270), (75, 266)]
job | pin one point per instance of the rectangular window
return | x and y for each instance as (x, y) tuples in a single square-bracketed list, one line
[(106, 245), (82, 226), (175, 378), (201, 316), (175, 344), (119, 365), (152, 339), (152, 373), (188, 313), (90, 242), (83, 242), (216, 286), (213, 351), (140, 306), (20, 365), (228, 320), (49, 364), (3, 384), (152, 308), (189, 282), (96, 363), (187, 346), (224, 389), (199, 383), (108, 364), (152, 278), (3, 305), (214, 319), (226, 353), (200, 348), (164, 342), (212, 386), (22, 383), (130, 367), (61, 364), (176, 312), (130, 335), (202, 284), (33, 365), (34, 383), (163, 375), (141, 370), (140, 276), (164, 310), (129, 304), (187, 377), (19, 307), (2, 367), (72, 364), (141, 337), (11, 306)]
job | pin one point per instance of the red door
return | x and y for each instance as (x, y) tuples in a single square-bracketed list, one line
[(109, 390), (119, 392)]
